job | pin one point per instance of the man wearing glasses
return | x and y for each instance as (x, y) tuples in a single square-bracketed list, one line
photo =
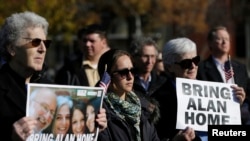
[(42, 107), (219, 67), (147, 82)]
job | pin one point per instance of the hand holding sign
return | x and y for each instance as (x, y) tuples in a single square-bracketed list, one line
[(203, 103), (188, 134), (239, 93)]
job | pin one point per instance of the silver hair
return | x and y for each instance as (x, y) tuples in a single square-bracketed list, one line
[(15, 26), (138, 44), (36, 92), (62, 100), (174, 48)]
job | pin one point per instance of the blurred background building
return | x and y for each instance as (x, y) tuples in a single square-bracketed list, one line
[(127, 19)]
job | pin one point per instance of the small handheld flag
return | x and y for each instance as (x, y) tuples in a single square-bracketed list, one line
[(105, 80), (228, 69)]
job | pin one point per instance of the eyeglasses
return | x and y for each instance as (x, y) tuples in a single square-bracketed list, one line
[(187, 63), (36, 42), (125, 72), (45, 108), (159, 60)]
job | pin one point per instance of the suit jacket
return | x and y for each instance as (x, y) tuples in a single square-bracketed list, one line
[(13, 96), (208, 71)]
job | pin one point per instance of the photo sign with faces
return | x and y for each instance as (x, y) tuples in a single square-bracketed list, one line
[(64, 112)]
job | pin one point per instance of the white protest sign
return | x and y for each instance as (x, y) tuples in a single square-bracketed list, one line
[(203, 103)]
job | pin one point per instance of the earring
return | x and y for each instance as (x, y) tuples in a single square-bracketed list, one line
[(12, 53), (11, 50)]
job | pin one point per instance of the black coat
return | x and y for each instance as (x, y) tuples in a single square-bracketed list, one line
[(208, 71), (13, 98), (119, 130), (167, 98), (72, 72), (146, 96), (168, 108)]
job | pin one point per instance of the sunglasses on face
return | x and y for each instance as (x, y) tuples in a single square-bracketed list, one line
[(36, 42), (187, 63), (125, 72)]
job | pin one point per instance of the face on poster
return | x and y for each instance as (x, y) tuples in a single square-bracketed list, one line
[(64, 112)]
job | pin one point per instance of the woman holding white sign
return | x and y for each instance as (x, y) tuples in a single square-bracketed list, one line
[(180, 59)]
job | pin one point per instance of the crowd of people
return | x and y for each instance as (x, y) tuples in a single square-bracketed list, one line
[(140, 103)]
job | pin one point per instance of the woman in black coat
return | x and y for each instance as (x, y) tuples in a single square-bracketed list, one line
[(180, 60), (126, 121), (23, 47)]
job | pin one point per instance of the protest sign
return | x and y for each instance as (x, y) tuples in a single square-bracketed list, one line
[(64, 113), (203, 103)]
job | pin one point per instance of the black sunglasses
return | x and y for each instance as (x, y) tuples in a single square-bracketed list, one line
[(187, 63), (124, 72), (36, 42)]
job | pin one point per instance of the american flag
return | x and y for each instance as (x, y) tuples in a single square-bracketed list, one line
[(105, 80), (228, 69)]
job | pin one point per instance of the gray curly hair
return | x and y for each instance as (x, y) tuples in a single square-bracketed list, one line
[(15, 26)]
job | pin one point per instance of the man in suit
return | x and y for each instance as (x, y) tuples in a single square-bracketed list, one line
[(218, 67)]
